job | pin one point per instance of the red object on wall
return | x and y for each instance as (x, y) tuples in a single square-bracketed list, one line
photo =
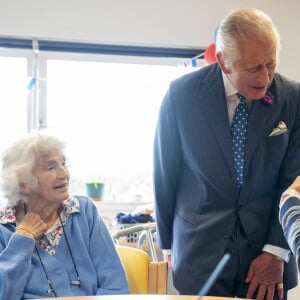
[(210, 54)]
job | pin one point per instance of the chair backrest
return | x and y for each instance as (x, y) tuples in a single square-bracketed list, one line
[(136, 265), (144, 276)]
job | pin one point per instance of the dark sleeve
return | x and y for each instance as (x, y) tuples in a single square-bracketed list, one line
[(290, 167), (167, 161)]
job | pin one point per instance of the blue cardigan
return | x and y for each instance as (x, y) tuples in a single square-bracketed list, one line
[(94, 253)]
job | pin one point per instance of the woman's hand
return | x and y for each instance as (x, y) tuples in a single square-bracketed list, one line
[(295, 185), (32, 226)]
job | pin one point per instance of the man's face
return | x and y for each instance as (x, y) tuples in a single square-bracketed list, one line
[(253, 71)]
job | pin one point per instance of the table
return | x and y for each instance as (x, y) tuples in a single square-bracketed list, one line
[(142, 297)]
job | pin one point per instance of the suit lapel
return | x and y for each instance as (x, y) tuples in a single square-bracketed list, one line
[(258, 128), (216, 112)]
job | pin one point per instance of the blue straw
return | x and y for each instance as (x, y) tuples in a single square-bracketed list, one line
[(213, 276)]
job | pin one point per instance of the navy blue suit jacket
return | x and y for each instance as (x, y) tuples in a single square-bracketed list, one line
[(197, 200)]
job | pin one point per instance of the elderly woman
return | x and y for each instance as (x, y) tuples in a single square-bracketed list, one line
[(51, 244)]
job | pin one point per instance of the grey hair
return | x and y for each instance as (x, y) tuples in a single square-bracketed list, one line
[(246, 24), (19, 160)]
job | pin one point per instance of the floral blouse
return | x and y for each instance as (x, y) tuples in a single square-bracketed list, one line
[(50, 240)]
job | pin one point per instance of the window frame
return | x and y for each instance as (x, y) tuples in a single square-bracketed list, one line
[(43, 56)]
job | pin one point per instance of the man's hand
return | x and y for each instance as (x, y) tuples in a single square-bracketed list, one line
[(168, 259), (265, 274)]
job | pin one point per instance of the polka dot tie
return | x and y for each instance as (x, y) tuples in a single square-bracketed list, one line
[(238, 132)]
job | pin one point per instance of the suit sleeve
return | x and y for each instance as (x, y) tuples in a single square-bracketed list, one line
[(289, 216), (167, 161), (290, 169)]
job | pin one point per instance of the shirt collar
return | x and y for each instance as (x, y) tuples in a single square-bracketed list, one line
[(8, 213), (230, 90)]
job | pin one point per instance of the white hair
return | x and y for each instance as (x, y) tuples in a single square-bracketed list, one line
[(19, 160), (248, 23)]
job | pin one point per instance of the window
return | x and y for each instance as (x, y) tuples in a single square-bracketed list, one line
[(107, 112), (104, 106), (13, 95)]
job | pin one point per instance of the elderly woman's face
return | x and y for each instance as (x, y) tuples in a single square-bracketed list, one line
[(53, 178)]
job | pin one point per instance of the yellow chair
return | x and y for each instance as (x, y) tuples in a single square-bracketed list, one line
[(144, 277)]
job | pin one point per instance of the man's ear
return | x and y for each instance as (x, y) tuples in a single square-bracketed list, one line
[(222, 64), (24, 188)]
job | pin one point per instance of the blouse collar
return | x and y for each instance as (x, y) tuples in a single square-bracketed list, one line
[(8, 213)]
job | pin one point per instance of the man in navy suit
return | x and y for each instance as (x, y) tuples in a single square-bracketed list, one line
[(201, 212), (289, 217)]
